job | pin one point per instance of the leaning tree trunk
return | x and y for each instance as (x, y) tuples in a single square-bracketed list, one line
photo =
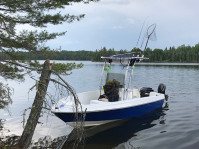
[(28, 132)]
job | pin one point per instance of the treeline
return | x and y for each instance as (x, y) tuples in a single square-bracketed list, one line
[(172, 54), (181, 54), (54, 55)]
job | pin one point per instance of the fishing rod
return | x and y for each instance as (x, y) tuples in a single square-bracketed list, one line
[(141, 31)]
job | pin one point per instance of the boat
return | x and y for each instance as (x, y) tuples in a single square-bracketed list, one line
[(115, 100)]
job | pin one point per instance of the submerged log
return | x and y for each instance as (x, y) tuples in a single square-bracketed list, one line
[(36, 108)]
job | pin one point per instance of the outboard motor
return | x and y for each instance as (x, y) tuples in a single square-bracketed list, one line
[(161, 88)]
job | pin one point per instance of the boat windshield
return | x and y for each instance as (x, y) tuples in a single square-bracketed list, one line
[(117, 77)]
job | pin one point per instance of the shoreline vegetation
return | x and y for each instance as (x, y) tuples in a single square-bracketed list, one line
[(181, 54)]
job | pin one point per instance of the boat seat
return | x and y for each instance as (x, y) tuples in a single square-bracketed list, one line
[(152, 94), (97, 102), (136, 93)]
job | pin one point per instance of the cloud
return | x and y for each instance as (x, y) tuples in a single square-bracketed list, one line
[(117, 23)]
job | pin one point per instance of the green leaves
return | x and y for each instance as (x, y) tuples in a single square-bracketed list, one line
[(105, 52), (34, 13), (5, 95), (180, 54), (63, 68), (8, 71), (38, 14), (33, 18)]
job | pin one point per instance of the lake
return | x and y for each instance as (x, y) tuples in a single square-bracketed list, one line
[(173, 126)]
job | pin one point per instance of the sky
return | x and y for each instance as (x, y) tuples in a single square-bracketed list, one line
[(117, 24)]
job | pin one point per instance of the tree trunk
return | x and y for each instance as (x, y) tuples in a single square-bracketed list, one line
[(28, 132)]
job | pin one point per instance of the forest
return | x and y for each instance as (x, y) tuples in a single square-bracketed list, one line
[(182, 53), (185, 54)]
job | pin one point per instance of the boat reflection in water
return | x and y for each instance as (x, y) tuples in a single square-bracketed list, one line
[(120, 134)]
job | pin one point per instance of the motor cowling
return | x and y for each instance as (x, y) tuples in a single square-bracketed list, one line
[(161, 88)]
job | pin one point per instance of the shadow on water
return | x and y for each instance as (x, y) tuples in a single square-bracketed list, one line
[(112, 134)]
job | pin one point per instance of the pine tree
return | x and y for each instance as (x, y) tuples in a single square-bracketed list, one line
[(36, 15)]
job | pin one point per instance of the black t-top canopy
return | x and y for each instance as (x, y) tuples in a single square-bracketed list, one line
[(123, 56)]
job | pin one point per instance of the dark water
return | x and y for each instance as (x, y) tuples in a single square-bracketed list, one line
[(176, 125)]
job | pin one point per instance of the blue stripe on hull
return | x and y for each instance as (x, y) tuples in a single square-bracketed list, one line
[(114, 114)]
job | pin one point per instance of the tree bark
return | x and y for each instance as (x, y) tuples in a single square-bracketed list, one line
[(28, 132)]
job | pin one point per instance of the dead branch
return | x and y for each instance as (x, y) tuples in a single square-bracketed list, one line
[(78, 131)]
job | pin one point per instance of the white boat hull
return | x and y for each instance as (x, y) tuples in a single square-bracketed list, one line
[(100, 112)]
